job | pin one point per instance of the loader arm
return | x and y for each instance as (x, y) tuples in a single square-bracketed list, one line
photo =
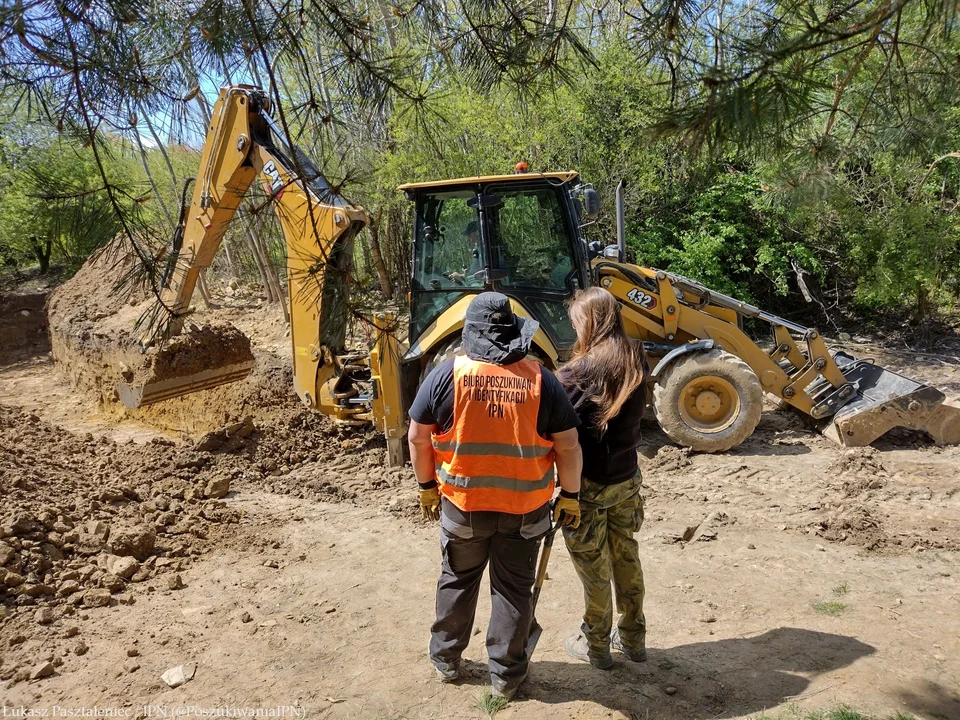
[(853, 400), (319, 228)]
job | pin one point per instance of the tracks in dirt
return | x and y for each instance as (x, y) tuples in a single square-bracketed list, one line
[(789, 479)]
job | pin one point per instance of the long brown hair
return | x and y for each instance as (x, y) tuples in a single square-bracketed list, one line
[(606, 365)]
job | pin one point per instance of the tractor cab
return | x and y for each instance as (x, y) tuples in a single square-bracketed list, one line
[(514, 234)]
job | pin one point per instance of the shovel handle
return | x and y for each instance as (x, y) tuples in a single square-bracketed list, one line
[(542, 564)]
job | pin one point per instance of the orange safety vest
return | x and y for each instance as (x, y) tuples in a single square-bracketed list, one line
[(492, 457)]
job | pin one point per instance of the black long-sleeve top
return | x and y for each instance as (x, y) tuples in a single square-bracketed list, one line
[(611, 457)]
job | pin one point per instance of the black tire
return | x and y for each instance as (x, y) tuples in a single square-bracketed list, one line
[(708, 402), (448, 348)]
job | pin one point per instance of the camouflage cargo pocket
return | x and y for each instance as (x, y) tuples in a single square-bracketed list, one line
[(589, 536)]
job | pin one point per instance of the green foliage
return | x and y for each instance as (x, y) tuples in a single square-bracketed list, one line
[(54, 203), (802, 160), (830, 607), (489, 703), (842, 712), (727, 236), (51, 206)]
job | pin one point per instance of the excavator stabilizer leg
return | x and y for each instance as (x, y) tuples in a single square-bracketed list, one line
[(886, 400)]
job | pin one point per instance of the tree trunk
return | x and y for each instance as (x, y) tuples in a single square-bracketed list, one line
[(374, 241), (258, 261), (204, 292), (42, 251), (274, 278), (388, 25), (153, 184)]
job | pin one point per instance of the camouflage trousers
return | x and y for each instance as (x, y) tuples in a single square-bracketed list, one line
[(603, 550)]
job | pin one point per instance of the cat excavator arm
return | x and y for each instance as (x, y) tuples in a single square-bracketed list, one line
[(244, 143)]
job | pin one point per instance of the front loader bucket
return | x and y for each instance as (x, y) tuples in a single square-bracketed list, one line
[(886, 400), (200, 359)]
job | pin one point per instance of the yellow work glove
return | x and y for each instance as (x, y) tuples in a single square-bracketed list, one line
[(430, 501), (566, 510)]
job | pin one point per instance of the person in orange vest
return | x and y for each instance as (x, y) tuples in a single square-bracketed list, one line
[(486, 430)]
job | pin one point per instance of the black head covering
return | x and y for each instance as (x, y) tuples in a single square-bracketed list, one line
[(472, 227), (493, 334)]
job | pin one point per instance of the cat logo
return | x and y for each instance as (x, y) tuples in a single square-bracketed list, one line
[(270, 170)]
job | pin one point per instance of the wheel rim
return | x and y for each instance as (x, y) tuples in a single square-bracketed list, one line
[(709, 404)]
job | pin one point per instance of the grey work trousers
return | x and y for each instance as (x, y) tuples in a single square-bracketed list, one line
[(510, 543)]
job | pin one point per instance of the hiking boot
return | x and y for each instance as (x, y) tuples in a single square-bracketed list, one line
[(635, 654), (500, 690), (577, 647), (447, 672)]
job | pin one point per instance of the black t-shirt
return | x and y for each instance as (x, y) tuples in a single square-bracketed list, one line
[(611, 457), (434, 402)]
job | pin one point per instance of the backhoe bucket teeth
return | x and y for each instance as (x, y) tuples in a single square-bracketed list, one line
[(134, 395), (886, 400)]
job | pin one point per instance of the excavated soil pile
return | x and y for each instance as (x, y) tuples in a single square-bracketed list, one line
[(89, 523), (199, 348), (95, 343), (82, 518), (308, 456)]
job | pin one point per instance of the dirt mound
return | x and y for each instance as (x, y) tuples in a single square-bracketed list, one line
[(670, 457), (199, 348), (855, 525), (74, 508), (858, 461), (90, 523), (309, 456)]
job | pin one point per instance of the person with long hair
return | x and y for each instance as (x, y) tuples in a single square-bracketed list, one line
[(606, 381)]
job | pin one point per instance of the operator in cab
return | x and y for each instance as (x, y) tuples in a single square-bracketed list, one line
[(486, 429), (471, 275)]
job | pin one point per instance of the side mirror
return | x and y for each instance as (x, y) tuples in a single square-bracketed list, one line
[(591, 203)]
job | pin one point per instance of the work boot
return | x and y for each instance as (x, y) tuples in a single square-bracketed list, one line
[(500, 688), (636, 654), (447, 672), (577, 647)]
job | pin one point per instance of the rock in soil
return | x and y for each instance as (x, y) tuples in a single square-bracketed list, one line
[(135, 540), (96, 598), (177, 676), (44, 669)]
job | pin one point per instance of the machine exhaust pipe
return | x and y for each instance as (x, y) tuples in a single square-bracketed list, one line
[(621, 224)]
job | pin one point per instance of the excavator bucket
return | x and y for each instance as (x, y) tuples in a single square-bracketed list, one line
[(134, 395), (200, 359), (886, 400)]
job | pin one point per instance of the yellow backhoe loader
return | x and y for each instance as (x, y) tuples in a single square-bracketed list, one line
[(520, 235)]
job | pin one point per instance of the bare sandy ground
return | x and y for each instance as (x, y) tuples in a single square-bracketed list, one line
[(324, 607)]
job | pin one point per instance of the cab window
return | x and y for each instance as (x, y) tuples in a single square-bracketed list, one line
[(450, 256), (531, 242)]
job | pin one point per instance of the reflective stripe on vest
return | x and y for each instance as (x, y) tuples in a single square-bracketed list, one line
[(492, 458)]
